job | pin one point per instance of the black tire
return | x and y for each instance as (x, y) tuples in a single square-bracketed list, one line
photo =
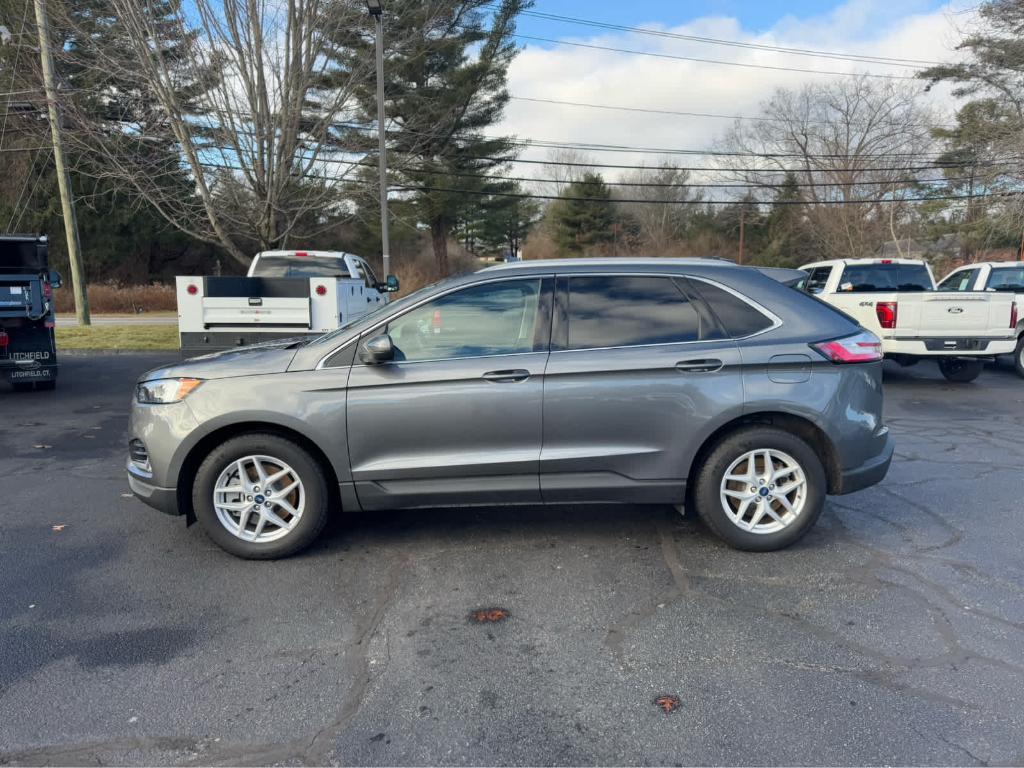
[(46, 386), (960, 370), (309, 471), (1018, 357), (708, 485)]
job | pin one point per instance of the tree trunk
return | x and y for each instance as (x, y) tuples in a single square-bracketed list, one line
[(439, 237)]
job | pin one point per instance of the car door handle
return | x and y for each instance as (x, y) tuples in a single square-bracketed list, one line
[(699, 366), (507, 377)]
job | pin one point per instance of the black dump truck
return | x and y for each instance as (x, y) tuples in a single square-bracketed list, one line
[(28, 354)]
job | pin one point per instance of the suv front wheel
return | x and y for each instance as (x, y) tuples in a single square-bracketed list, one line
[(260, 496), (760, 489)]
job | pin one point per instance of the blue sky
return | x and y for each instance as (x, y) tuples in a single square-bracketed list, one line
[(753, 15)]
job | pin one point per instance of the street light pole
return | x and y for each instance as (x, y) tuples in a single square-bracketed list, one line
[(377, 11)]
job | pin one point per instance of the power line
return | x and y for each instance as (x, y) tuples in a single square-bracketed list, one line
[(532, 196), (865, 58), (695, 202), (682, 113), (745, 65)]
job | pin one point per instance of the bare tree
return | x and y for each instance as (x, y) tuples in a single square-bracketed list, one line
[(662, 226), (247, 96), (564, 167), (857, 147)]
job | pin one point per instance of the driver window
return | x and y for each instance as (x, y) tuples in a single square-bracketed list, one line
[(367, 274), (491, 319)]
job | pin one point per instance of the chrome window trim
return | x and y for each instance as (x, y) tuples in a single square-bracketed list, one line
[(776, 320), (503, 279)]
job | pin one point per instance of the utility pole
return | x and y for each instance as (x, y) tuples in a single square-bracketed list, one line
[(63, 176), (377, 11), (743, 222)]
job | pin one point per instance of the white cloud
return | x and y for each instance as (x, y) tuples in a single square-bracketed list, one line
[(863, 27)]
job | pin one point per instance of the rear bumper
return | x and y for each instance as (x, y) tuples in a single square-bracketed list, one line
[(952, 346), (163, 499), (868, 473)]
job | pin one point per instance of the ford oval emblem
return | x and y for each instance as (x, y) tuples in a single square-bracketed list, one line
[(955, 310)]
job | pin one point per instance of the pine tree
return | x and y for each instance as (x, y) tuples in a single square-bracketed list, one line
[(584, 216), (444, 86)]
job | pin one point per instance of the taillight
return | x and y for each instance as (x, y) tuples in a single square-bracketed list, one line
[(862, 348), (47, 290), (193, 289), (885, 311), (4, 339), (1013, 315)]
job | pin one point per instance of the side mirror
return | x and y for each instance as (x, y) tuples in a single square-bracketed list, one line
[(389, 286), (379, 349), (54, 278)]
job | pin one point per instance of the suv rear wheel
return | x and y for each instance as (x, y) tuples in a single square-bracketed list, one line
[(260, 496), (1018, 357), (760, 489)]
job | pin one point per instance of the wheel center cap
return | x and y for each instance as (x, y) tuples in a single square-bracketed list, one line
[(260, 498), (763, 491)]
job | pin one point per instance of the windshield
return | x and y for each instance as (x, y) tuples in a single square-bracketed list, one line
[(860, 278), (300, 266), (1007, 279)]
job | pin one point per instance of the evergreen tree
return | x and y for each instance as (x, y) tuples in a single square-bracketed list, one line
[(508, 220), (583, 216), (444, 87)]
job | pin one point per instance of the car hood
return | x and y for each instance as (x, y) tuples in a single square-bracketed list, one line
[(267, 357)]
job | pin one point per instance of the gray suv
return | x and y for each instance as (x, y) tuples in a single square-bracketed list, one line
[(655, 381)]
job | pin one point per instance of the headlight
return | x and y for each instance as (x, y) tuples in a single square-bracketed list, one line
[(165, 390)]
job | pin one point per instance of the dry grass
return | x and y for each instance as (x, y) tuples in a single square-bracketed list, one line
[(115, 299), (421, 269), (118, 337)]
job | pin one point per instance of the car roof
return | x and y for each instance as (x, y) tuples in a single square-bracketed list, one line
[(831, 262), (610, 263)]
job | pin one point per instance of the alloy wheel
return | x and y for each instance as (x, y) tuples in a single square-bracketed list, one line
[(763, 491), (259, 498)]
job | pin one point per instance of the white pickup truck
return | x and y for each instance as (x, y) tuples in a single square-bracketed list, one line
[(1000, 276), (897, 300), (284, 294)]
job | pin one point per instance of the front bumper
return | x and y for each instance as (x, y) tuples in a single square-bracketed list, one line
[(868, 473), (163, 499)]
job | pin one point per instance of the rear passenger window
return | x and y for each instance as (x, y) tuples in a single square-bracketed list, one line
[(623, 311), (737, 316)]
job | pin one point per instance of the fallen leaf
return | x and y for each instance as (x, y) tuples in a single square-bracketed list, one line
[(489, 615), (667, 704), (127, 495), (60, 527), (42, 445)]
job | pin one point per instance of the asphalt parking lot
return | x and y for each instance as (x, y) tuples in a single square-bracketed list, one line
[(893, 634)]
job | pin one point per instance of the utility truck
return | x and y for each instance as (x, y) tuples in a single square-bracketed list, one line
[(28, 354), (284, 294), (996, 276), (898, 301)]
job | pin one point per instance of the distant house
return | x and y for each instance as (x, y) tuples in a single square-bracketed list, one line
[(944, 247)]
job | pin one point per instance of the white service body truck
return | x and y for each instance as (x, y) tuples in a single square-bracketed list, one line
[(995, 276), (896, 299), (284, 294)]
